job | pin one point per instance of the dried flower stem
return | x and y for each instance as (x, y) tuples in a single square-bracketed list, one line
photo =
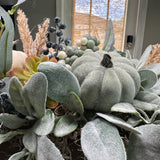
[(41, 37), (24, 32)]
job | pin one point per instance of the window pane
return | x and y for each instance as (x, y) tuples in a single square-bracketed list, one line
[(91, 16)]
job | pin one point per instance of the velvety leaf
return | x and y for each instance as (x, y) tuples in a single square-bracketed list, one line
[(156, 88), (154, 68), (148, 78), (60, 81), (30, 142), (6, 42), (46, 150), (118, 122), (36, 92), (9, 135), (100, 140), (134, 121), (15, 91), (146, 145), (12, 121), (65, 125), (19, 155), (74, 103), (155, 115), (145, 106), (144, 57), (109, 39), (45, 125), (149, 97), (124, 108)]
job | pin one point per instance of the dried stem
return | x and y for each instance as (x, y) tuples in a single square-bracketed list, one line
[(41, 37), (154, 56), (25, 34)]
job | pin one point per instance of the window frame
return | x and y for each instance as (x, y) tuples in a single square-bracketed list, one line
[(134, 25)]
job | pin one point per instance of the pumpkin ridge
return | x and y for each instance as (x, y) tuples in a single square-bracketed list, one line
[(115, 84), (126, 95), (132, 72), (87, 91)]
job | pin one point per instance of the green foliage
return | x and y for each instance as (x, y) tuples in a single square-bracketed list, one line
[(47, 150), (74, 103), (148, 78), (6, 42), (118, 122), (109, 39), (100, 140), (19, 155), (60, 81), (65, 125), (44, 126), (30, 142), (146, 145), (9, 135), (30, 99), (12, 121)]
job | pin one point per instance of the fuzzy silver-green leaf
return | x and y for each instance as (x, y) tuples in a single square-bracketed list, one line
[(100, 140)]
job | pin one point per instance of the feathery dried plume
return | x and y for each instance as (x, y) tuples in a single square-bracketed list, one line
[(25, 34), (41, 37), (154, 56)]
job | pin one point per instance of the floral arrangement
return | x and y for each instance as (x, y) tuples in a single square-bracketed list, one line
[(98, 105)]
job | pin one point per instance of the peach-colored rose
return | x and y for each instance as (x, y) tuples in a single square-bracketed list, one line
[(18, 59)]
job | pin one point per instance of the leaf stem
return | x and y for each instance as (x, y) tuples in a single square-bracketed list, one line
[(2, 29)]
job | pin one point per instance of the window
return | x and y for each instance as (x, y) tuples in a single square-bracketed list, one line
[(91, 16)]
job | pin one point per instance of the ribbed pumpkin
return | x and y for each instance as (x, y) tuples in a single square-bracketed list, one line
[(105, 79)]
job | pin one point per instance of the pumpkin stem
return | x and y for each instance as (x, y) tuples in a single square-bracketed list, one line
[(106, 61)]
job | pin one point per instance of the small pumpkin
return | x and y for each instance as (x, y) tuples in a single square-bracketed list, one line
[(105, 79)]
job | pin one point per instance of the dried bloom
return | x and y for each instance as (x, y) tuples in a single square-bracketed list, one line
[(25, 34), (154, 56), (41, 38)]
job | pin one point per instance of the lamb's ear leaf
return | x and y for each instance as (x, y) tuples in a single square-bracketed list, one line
[(12, 121), (148, 97), (15, 91), (109, 39), (6, 42), (45, 125), (124, 108), (19, 155), (36, 92), (156, 88), (47, 150), (141, 146), (118, 122), (65, 125), (100, 140), (148, 78), (9, 135), (60, 81), (144, 57), (74, 103), (30, 142), (153, 67)]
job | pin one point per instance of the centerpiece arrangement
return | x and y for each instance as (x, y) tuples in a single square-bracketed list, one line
[(76, 102)]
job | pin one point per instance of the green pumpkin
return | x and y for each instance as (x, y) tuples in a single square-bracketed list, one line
[(105, 79)]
